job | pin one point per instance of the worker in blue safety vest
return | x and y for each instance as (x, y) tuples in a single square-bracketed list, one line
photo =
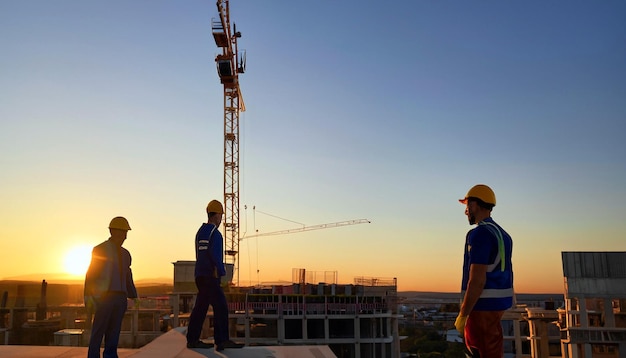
[(209, 270), (487, 284)]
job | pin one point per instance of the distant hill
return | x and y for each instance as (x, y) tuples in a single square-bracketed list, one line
[(61, 291), (154, 281), (530, 299), (29, 292), (429, 294), (63, 278)]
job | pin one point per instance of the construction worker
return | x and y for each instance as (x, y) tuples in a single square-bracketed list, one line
[(108, 285), (487, 285), (209, 270)]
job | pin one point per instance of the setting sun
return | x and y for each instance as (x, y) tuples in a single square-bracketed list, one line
[(77, 260)]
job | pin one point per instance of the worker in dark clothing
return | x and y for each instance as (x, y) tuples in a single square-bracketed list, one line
[(108, 285), (209, 270)]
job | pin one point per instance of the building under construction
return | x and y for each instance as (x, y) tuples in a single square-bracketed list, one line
[(593, 322), (354, 320)]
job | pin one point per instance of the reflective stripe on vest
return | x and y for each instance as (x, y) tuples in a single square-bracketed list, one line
[(493, 293), (493, 228)]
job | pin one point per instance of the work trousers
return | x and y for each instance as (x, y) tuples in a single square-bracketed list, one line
[(209, 293), (483, 334), (107, 323)]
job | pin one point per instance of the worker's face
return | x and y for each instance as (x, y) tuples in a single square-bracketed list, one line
[(470, 211), (216, 219), (119, 235)]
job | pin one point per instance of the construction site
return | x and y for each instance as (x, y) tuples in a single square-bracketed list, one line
[(355, 320), (323, 319), (346, 320)]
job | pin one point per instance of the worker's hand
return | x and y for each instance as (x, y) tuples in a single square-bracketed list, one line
[(90, 303), (224, 282), (460, 323), (136, 303)]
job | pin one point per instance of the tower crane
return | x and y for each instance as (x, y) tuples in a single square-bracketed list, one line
[(230, 63)]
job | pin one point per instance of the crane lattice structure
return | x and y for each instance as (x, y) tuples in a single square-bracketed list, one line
[(229, 65), (309, 228)]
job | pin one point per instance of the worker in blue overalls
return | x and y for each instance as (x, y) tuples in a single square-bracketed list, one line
[(209, 270)]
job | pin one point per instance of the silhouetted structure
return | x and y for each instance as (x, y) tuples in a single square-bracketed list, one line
[(593, 323)]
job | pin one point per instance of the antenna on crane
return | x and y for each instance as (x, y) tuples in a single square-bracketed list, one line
[(229, 65)]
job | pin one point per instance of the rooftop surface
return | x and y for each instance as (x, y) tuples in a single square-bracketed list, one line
[(170, 345)]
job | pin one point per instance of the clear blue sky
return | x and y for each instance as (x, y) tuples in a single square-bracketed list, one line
[(388, 111)]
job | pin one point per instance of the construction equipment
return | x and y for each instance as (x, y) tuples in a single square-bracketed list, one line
[(312, 227), (229, 65), (300, 229)]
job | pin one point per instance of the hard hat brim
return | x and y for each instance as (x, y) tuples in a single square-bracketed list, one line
[(120, 228)]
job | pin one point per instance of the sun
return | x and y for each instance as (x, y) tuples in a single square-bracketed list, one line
[(77, 260)]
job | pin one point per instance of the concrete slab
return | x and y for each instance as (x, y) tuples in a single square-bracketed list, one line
[(52, 352), (171, 345)]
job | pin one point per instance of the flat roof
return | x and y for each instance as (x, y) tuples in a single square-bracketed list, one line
[(172, 344)]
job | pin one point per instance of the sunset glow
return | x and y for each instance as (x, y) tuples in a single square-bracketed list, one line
[(77, 260), (117, 109)]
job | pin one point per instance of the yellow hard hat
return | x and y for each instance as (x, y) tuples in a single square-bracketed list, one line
[(119, 223), (482, 192), (215, 207)]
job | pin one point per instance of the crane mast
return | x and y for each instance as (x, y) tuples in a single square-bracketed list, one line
[(229, 65)]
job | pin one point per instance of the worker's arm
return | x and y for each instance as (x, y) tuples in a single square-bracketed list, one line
[(475, 286), (217, 253)]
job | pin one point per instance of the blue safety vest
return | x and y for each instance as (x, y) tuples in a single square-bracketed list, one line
[(498, 292)]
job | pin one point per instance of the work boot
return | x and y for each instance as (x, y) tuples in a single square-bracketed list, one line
[(228, 344), (199, 344)]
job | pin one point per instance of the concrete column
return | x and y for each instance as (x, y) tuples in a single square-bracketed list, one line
[(247, 327), (326, 329), (281, 330), (609, 317), (584, 318), (532, 328), (305, 331), (517, 331), (395, 333), (542, 332), (134, 326), (357, 336), (175, 298)]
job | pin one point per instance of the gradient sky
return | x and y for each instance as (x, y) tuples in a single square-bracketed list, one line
[(388, 111)]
